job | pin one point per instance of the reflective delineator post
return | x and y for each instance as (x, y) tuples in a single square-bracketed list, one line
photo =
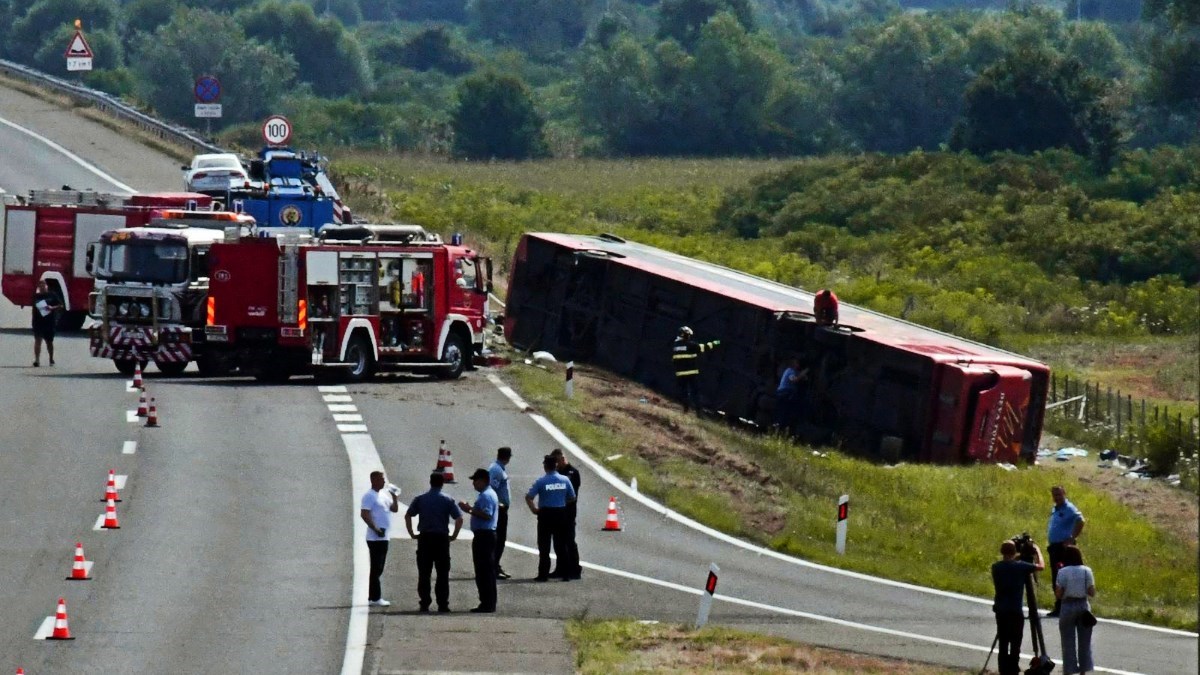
[(710, 589), (843, 515), (570, 379)]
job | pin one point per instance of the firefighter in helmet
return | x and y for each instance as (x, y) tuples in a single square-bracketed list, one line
[(825, 308), (685, 353)]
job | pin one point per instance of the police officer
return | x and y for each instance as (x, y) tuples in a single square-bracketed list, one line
[(1065, 526), (499, 482), (433, 544), (569, 568), (483, 542), (685, 354), (553, 492)]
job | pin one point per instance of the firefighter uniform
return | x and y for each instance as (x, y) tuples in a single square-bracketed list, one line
[(685, 354)]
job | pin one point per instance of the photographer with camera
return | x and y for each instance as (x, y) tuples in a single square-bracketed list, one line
[(1021, 557)]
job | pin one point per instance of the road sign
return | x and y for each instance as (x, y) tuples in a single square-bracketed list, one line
[(208, 110), (277, 130), (207, 89), (842, 516), (706, 598), (79, 54)]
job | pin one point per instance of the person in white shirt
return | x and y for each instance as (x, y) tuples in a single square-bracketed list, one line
[(377, 510), (1074, 585)]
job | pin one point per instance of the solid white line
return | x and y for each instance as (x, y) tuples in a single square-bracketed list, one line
[(131, 416), (69, 155), (332, 389), (343, 407), (119, 481), (570, 446), (45, 629), (364, 459), (129, 388), (99, 523), (336, 398), (352, 428), (347, 418), (87, 567), (130, 448)]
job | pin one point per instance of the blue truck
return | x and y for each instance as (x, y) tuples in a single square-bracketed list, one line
[(289, 189)]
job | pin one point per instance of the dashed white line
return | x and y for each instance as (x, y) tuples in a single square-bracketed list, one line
[(131, 416), (352, 428), (347, 418), (99, 523), (332, 389), (129, 448), (119, 481), (342, 407), (45, 629), (336, 398)]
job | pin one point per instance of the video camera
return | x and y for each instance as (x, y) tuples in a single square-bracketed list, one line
[(1025, 546)]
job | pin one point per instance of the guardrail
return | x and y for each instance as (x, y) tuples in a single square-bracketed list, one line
[(111, 106)]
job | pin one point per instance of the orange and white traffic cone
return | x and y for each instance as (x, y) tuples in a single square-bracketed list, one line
[(137, 375), (142, 410), (61, 631), (612, 523), (110, 517), (445, 465), (152, 415), (79, 570), (110, 490)]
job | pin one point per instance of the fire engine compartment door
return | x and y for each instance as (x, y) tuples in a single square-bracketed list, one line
[(18, 241), (88, 228), (322, 267)]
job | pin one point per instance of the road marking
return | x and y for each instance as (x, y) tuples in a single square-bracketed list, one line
[(99, 523), (130, 448), (336, 398), (352, 428), (342, 407), (45, 629), (69, 155), (788, 612), (364, 458), (129, 388), (347, 418), (567, 444), (119, 481), (131, 416), (332, 389)]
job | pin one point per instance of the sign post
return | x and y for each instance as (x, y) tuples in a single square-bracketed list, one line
[(710, 589), (570, 379), (207, 91), (277, 130), (79, 53), (843, 514)]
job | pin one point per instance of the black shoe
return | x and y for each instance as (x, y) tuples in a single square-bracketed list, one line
[(541, 578), (444, 609), (51, 361), (483, 610), (424, 609), (36, 364), (555, 574), (1052, 615), (577, 576), (566, 578), (501, 574)]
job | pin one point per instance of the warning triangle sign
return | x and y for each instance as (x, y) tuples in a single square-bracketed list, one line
[(79, 47)]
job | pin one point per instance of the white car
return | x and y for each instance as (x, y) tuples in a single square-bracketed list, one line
[(213, 173)]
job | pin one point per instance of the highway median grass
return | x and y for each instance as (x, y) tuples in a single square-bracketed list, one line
[(936, 526)]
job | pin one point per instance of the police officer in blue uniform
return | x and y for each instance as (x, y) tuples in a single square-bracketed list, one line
[(553, 492), (499, 481), (435, 511), (569, 567), (484, 515)]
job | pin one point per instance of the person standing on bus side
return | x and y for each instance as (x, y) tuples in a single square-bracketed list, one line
[(499, 481), (825, 308), (789, 396), (685, 353), (45, 312)]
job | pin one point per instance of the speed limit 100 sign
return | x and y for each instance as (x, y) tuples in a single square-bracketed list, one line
[(277, 130)]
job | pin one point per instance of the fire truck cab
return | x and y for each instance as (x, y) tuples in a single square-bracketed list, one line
[(355, 300)]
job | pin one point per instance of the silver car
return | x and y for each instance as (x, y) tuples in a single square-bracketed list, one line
[(213, 173)]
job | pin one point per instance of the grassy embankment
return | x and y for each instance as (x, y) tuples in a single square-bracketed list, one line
[(938, 526)]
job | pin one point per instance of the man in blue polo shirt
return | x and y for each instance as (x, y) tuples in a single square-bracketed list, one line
[(499, 482), (484, 514), (433, 544), (1066, 524), (553, 492)]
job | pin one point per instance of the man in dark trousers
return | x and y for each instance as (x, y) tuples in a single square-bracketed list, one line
[(570, 568), (685, 354), (553, 492), (499, 482), (376, 511), (1066, 524), (1008, 578), (435, 511), (483, 542)]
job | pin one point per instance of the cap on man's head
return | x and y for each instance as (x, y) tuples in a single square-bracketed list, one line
[(504, 452), (481, 474)]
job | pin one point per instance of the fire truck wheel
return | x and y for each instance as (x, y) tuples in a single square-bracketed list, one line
[(213, 366), (171, 368), (454, 355), (359, 353), (126, 367)]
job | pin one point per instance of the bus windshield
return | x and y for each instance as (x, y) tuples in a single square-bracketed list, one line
[(160, 262)]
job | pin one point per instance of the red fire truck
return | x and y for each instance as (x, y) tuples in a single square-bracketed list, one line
[(355, 300), (46, 235)]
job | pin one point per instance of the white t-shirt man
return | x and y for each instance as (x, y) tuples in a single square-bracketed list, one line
[(380, 505)]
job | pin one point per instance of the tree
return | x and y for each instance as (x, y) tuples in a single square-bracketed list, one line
[(495, 118), (683, 20), (617, 96), (1036, 100), (145, 16), (253, 76), (433, 48), (328, 58), (539, 27)]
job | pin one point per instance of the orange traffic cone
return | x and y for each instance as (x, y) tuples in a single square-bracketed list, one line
[(110, 490), (142, 410), (110, 517), (445, 465), (611, 522), (79, 570), (137, 374), (61, 631), (152, 415)]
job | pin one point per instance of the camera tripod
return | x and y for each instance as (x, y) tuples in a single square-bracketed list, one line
[(1041, 664)]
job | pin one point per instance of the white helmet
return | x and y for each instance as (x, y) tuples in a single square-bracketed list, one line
[(684, 330)]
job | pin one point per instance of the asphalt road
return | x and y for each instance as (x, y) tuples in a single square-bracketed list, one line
[(238, 525)]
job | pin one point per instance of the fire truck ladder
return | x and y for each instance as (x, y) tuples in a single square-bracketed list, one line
[(288, 276), (77, 198)]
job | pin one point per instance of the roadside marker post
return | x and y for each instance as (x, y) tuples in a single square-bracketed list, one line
[(842, 516), (570, 379), (710, 589)]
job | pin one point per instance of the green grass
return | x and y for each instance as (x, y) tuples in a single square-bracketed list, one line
[(931, 525)]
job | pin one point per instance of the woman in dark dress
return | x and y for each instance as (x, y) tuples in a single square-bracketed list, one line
[(45, 314)]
